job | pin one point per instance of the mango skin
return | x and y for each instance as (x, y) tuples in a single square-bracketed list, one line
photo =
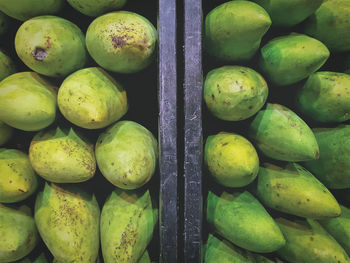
[(4, 21), (287, 13), (242, 220), (331, 25), (62, 156), (68, 222), (57, 49), (309, 243), (234, 93), (122, 41), (280, 134), (92, 99), (325, 97), (333, 166), (18, 234), (127, 154), (127, 222), (6, 133), (294, 190), (7, 67), (96, 7), (231, 159), (27, 101), (288, 59)]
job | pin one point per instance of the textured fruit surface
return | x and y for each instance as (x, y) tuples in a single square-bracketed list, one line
[(27, 101), (92, 99), (234, 93), (57, 49), (6, 132), (7, 67), (122, 41), (96, 7)]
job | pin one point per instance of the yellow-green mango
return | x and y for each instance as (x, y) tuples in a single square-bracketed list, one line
[(288, 13), (325, 97), (339, 228), (145, 258), (62, 156), (68, 222), (27, 101), (231, 159), (127, 154), (18, 233), (57, 49), (6, 133), (333, 166), (122, 41), (7, 67), (4, 23), (128, 219), (234, 93), (96, 7), (288, 59), (92, 99), (294, 190), (24, 9), (217, 250), (331, 25), (241, 219), (17, 178), (308, 242), (234, 29), (280, 134)]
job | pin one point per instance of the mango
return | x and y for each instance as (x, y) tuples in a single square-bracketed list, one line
[(308, 242), (18, 234), (4, 23), (68, 222), (242, 220), (128, 219), (331, 25), (333, 166), (57, 49), (234, 93), (27, 101), (17, 178), (122, 41), (92, 99), (331, 104), (96, 7), (288, 59), (294, 190), (280, 134), (231, 159), (6, 133), (127, 154), (7, 67), (233, 30)]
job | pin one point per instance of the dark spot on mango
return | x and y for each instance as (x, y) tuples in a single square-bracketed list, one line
[(311, 239), (224, 144), (118, 42), (212, 97), (250, 107), (39, 54)]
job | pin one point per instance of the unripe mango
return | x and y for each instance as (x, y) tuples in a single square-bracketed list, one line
[(96, 7), (6, 133), (7, 67)]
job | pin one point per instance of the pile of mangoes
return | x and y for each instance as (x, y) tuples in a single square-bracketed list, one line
[(278, 174), (45, 205)]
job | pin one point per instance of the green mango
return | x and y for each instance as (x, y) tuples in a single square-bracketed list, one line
[(294, 190), (92, 99), (6, 133), (241, 219), (288, 59), (18, 234), (308, 242), (331, 25), (234, 29), (127, 154), (62, 156), (339, 228), (27, 101), (234, 93), (7, 67), (217, 250), (4, 23), (128, 219), (280, 134), (145, 258), (122, 41), (17, 178), (96, 7), (333, 95), (231, 159), (289, 13), (57, 49), (68, 222), (333, 166)]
